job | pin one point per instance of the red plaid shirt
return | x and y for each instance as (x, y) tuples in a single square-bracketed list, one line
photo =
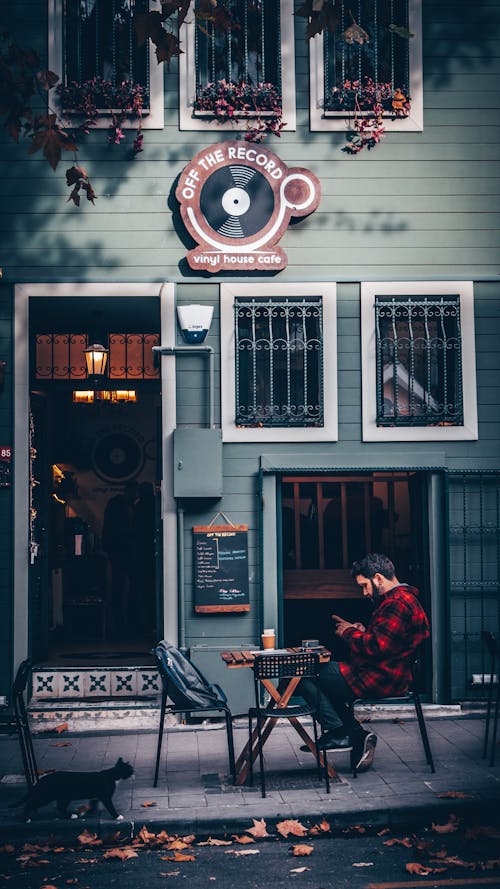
[(381, 657)]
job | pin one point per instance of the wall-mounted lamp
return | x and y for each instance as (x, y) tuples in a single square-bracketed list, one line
[(194, 321), (96, 359)]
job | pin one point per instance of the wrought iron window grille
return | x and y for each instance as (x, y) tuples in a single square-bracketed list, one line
[(279, 362), (99, 41), (248, 53), (383, 58), (418, 361), (61, 356)]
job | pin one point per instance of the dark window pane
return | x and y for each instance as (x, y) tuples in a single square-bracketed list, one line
[(419, 369), (279, 360)]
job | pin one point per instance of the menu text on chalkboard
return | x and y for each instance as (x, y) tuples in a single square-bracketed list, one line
[(221, 568)]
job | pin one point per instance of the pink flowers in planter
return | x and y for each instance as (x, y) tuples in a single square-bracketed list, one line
[(369, 103), (227, 101), (92, 98)]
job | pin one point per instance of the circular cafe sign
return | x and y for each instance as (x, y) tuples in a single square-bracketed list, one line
[(236, 201)]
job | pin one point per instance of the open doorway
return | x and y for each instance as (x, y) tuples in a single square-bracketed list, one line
[(95, 535), (328, 522)]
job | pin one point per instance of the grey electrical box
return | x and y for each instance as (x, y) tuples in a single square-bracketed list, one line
[(197, 463)]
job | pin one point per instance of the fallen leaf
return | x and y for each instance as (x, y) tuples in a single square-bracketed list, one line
[(177, 846), (395, 841), (63, 727), (322, 827), (49, 886), (299, 870), (414, 867), (292, 826), (62, 744), (123, 854), (241, 852), (450, 827), (452, 860), (259, 828), (362, 864), (216, 842), (89, 839), (170, 873), (302, 849), (178, 856), (242, 840), (384, 831), (147, 804), (164, 837), (145, 836), (397, 721), (190, 838), (454, 794)]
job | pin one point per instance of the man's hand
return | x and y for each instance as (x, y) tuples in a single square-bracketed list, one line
[(342, 625)]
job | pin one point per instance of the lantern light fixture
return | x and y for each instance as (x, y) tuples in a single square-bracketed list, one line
[(96, 359)]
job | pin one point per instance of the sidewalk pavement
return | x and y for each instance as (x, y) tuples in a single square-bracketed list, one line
[(194, 793)]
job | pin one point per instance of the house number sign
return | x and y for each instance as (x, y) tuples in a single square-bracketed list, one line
[(236, 201)]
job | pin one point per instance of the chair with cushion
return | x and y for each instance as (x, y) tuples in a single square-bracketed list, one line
[(493, 647), (190, 693), (284, 667), (410, 697), (22, 723)]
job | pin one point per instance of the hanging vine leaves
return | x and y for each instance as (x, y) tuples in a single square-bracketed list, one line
[(321, 14)]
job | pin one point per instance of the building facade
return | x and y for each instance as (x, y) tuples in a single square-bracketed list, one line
[(301, 340)]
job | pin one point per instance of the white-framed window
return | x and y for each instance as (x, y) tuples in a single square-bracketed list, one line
[(256, 56), (343, 71), (96, 39), (279, 362), (418, 361)]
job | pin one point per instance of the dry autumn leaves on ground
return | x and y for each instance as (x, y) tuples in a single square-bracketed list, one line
[(427, 856)]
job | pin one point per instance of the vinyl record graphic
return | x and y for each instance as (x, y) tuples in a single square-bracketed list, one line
[(237, 201), (117, 457)]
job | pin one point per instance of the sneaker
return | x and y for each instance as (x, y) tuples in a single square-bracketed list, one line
[(330, 740), (365, 748)]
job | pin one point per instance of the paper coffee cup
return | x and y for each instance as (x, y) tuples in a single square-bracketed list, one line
[(268, 639)]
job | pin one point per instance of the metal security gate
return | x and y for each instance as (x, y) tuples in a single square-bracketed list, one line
[(473, 577)]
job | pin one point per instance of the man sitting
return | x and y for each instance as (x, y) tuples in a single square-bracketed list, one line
[(381, 656)]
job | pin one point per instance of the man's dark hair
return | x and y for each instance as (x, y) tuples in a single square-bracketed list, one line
[(372, 564)]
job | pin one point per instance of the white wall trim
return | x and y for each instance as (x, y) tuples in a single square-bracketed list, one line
[(152, 119), (22, 295), (187, 76), (372, 432), (231, 432), (338, 121)]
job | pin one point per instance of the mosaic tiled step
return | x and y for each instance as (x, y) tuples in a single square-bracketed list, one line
[(91, 683)]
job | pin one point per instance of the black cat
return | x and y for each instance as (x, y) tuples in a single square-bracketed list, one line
[(66, 786)]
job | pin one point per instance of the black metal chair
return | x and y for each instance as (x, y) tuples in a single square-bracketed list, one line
[(494, 651), (281, 667), (412, 696), (22, 723), (190, 693)]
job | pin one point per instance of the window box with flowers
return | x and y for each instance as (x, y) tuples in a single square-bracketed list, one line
[(89, 101), (369, 65), (231, 67), (260, 106)]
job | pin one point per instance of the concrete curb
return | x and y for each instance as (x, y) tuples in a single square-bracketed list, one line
[(399, 818)]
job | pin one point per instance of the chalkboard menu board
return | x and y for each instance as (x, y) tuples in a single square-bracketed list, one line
[(221, 568)]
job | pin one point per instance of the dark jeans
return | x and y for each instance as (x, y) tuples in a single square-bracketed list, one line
[(335, 698)]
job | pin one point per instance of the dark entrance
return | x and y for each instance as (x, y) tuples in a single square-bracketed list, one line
[(95, 574), (328, 522)]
